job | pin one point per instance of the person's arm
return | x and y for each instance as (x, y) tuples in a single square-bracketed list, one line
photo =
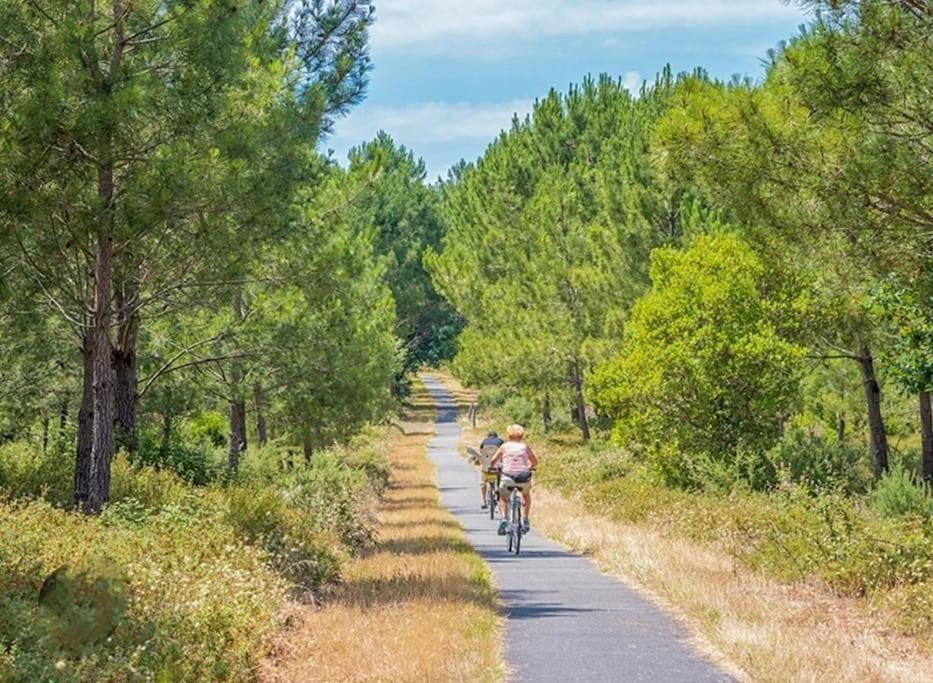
[(496, 458), (532, 458)]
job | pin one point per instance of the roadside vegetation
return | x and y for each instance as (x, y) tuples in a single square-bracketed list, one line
[(174, 580), (419, 605), (715, 299)]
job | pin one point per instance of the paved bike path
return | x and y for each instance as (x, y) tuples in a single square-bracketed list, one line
[(566, 621)]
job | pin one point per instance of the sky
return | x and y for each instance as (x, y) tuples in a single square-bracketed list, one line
[(449, 75)]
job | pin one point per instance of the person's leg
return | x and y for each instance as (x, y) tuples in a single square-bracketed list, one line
[(526, 507), (526, 501), (504, 503), (482, 492)]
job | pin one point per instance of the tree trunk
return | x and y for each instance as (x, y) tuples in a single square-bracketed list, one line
[(878, 438), (259, 403), (579, 402), (926, 436), (45, 434), (125, 369), (306, 447), (237, 441), (166, 433), (63, 416), (546, 411), (102, 439), (840, 426), (85, 423)]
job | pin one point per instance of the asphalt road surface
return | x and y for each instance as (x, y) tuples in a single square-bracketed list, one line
[(566, 621)]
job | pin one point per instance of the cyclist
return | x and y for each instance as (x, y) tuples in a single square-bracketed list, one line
[(517, 460), (488, 447)]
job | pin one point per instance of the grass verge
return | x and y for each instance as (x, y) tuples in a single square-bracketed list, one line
[(418, 607)]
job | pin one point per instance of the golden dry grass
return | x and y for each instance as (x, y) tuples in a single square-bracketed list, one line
[(418, 607)]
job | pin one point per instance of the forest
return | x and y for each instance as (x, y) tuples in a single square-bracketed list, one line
[(707, 288)]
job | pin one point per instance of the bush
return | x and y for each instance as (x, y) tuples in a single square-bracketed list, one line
[(336, 488), (292, 537), (171, 581), (195, 465), (363, 455), (177, 598), (333, 493), (819, 463), (207, 430), (703, 369), (152, 489), (25, 471), (897, 494), (520, 409), (791, 532)]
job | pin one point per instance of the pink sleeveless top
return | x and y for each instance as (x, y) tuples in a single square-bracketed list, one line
[(515, 457)]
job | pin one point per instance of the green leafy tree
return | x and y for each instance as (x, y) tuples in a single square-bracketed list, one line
[(827, 164), (404, 215), (704, 370), (136, 147), (548, 237)]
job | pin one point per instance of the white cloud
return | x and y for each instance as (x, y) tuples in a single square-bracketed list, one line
[(432, 122), (443, 25), (434, 127), (632, 81)]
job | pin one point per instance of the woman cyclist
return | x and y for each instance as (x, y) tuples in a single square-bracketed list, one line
[(517, 460)]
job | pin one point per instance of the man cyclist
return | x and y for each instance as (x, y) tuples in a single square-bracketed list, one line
[(517, 460), (487, 449)]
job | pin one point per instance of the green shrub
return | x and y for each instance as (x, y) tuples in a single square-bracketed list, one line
[(153, 489), (206, 430), (334, 494), (819, 463), (171, 581), (897, 494), (337, 487), (195, 465), (520, 409), (25, 471), (703, 369), (368, 455), (793, 532), (179, 597), (295, 544)]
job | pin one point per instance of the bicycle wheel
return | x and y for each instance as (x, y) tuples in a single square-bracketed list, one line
[(491, 500), (517, 522)]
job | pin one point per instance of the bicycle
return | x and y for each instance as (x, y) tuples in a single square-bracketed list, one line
[(492, 492), (515, 529)]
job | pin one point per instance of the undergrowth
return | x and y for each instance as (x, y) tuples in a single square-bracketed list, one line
[(184, 574)]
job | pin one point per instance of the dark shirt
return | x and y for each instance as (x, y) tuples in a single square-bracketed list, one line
[(491, 441)]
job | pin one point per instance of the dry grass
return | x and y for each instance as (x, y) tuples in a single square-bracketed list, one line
[(419, 607)]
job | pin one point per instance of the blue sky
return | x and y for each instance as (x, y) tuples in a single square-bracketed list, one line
[(448, 76)]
